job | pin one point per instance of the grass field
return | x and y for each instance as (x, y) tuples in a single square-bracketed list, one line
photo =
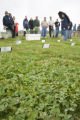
[(40, 84)]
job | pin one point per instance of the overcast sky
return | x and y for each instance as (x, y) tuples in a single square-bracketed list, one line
[(41, 8)]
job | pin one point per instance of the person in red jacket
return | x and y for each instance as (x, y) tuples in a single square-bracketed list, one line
[(16, 29)]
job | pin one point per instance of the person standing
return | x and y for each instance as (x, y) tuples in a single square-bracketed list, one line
[(25, 25), (8, 23), (78, 31), (74, 30), (12, 22), (57, 25), (16, 28), (44, 25), (36, 24), (70, 30), (51, 25), (64, 27), (11, 19), (31, 26)]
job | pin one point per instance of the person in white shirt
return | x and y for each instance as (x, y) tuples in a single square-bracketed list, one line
[(51, 27)]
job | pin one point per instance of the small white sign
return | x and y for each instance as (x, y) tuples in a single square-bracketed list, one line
[(43, 41), (58, 40), (71, 40), (18, 42), (33, 37), (46, 46), (72, 44), (6, 49)]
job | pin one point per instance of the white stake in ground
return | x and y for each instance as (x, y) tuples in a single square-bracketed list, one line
[(43, 41), (18, 42), (58, 41), (73, 44), (46, 46), (71, 40), (5, 49)]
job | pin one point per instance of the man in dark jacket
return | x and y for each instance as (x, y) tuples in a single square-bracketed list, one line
[(8, 24), (57, 25), (70, 30), (25, 25), (36, 24), (64, 27), (31, 26), (13, 23)]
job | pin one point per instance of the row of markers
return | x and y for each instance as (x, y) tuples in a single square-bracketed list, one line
[(9, 49), (48, 45)]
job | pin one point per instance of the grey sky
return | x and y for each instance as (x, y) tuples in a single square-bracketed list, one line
[(41, 8)]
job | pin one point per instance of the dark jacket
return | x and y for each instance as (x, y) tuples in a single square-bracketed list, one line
[(11, 20), (64, 24), (31, 26), (7, 21), (70, 26), (36, 23), (25, 23), (57, 24)]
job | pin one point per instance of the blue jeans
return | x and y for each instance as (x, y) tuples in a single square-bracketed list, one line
[(44, 30), (69, 34), (57, 32), (65, 34)]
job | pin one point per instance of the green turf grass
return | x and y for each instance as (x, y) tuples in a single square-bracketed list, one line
[(40, 84)]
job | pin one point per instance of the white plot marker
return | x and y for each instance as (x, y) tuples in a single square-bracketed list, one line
[(5, 49), (46, 46), (58, 41), (72, 44), (71, 40), (18, 42), (43, 41)]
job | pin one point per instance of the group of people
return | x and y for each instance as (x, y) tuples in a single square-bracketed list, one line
[(10, 23), (50, 24), (66, 27), (33, 26)]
